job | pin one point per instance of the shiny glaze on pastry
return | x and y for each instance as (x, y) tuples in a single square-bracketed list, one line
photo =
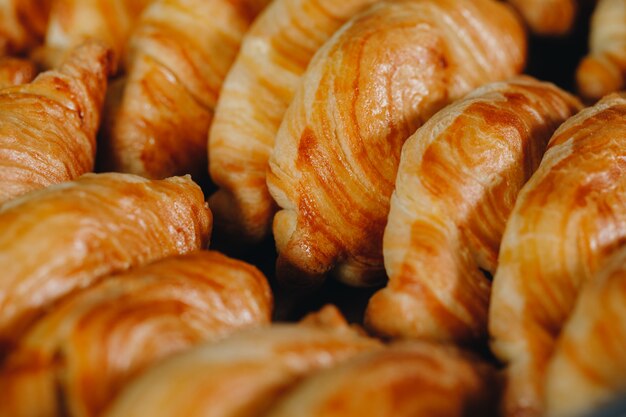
[(457, 182), (23, 24), (368, 88), (177, 59), (255, 96), (568, 217), (240, 376), (405, 380), (85, 349), (602, 71), (48, 127), (68, 236), (16, 71), (547, 17)]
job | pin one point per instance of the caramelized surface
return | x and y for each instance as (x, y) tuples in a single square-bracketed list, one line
[(458, 179), (371, 85), (567, 219), (23, 24), (547, 17)]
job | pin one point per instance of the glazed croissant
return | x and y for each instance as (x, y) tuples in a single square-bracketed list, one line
[(408, 379), (567, 219), (603, 70), (259, 87), (457, 182), (68, 236), (48, 127), (588, 367), (16, 71), (373, 83), (241, 376), (547, 17), (178, 56), (23, 24), (156, 310)]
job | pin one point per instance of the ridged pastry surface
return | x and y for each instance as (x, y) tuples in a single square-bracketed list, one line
[(23, 24), (380, 77), (458, 179), (568, 217), (64, 238)]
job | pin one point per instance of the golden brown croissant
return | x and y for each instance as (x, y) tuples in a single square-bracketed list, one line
[(68, 236), (16, 71), (457, 182), (179, 55), (259, 87), (73, 358), (603, 70), (408, 379), (373, 83), (48, 127), (568, 217), (241, 376), (22, 24), (547, 17)]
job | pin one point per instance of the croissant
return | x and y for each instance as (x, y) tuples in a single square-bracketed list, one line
[(48, 127), (547, 17), (158, 310), (241, 376), (178, 56), (588, 367), (457, 182), (568, 217), (68, 236), (407, 379), (22, 24), (16, 71), (371, 85), (602, 71), (259, 87)]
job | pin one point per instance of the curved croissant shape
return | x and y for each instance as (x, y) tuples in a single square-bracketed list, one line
[(588, 368), (547, 17), (366, 91), (603, 70), (16, 71), (68, 236), (408, 379), (241, 376), (178, 57), (72, 22), (568, 217), (48, 127), (74, 352), (457, 182), (22, 24), (253, 101)]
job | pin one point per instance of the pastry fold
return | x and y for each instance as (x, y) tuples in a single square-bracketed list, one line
[(567, 219), (23, 25), (380, 77), (48, 128), (458, 179), (89, 346), (16, 71), (67, 237), (547, 17)]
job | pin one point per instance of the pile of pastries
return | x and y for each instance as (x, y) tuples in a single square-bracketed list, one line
[(387, 144)]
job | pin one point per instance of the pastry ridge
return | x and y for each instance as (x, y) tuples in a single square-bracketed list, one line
[(23, 25), (16, 71), (547, 17)]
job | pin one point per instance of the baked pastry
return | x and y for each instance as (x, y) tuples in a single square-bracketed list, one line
[(408, 379), (547, 17), (74, 361), (588, 366), (457, 182), (23, 24), (371, 85), (568, 217), (48, 128), (259, 87), (602, 71), (240, 376), (178, 57), (68, 236), (16, 71)]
